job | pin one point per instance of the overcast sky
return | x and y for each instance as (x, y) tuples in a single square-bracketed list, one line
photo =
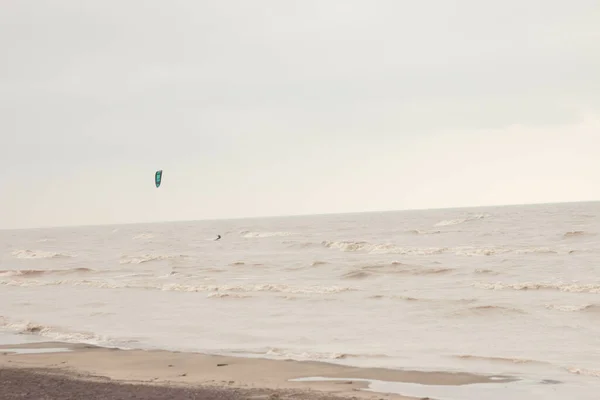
[(272, 107)]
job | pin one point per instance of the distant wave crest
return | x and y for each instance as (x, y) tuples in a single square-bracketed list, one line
[(563, 287), (458, 221), (185, 287), (388, 248), (420, 232), (36, 254), (577, 234), (26, 273), (141, 259), (143, 236), (351, 246), (584, 372), (589, 308), (484, 310), (250, 234), (392, 269)]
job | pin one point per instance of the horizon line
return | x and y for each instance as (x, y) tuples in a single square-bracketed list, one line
[(299, 215)]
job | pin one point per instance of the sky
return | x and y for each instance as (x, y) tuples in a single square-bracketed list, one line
[(281, 107)]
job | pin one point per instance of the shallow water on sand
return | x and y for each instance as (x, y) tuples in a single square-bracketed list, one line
[(511, 290)]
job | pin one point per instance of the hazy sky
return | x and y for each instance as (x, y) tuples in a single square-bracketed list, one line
[(271, 107)]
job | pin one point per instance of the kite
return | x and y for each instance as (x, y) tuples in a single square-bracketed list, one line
[(158, 177)]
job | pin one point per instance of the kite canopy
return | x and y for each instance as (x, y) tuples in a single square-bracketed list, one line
[(158, 177)]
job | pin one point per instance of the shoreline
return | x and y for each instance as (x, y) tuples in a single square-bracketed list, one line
[(81, 367)]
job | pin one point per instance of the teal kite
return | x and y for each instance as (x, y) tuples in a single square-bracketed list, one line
[(158, 177)]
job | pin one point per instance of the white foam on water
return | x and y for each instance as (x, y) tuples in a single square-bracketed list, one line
[(505, 290), (35, 351)]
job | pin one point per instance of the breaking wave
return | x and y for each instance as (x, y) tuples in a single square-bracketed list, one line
[(55, 333), (591, 308), (476, 251), (393, 268), (563, 287), (26, 273), (349, 246), (142, 236), (179, 287), (584, 372), (458, 221), (309, 355), (250, 234), (146, 258), (361, 246), (499, 359), (31, 254), (536, 250), (279, 288), (420, 232), (228, 295)]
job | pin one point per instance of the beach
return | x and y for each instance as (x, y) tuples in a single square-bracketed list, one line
[(444, 304), (53, 370)]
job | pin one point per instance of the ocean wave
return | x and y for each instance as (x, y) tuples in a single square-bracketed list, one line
[(311, 355), (478, 251), (350, 246), (489, 310), (356, 275), (180, 287), (388, 248), (278, 288), (591, 308), (141, 259), (250, 234), (458, 221), (228, 295), (54, 333), (392, 269), (420, 232), (36, 254), (584, 372), (509, 360), (421, 299), (299, 245), (143, 236), (486, 271), (405, 298), (576, 234), (38, 272), (536, 250), (560, 286)]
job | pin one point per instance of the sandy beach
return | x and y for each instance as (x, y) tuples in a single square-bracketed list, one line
[(54, 370)]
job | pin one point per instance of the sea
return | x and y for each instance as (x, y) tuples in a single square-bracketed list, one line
[(511, 290)]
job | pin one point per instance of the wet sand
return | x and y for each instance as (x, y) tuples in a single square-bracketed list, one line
[(102, 373)]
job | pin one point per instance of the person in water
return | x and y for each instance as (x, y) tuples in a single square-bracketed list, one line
[(218, 237)]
